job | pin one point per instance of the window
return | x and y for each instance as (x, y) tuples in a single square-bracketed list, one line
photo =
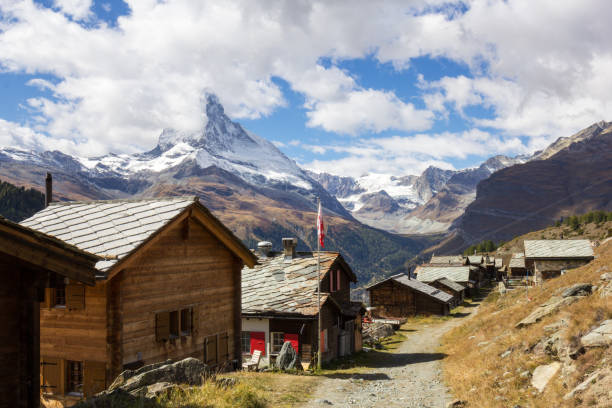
[(338, 279), (60, 295), (278, 339), (174, 324), (74, 377), (245, 342), (186, 322)]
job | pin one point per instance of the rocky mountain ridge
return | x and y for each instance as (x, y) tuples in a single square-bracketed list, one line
[(572, 176), (427, 203)]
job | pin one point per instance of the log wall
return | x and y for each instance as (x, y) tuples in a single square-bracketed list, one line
[(187, 267)]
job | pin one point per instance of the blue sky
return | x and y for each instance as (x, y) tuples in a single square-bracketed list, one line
[(340, 87)]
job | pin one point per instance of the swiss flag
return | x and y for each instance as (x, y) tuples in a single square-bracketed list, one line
[(321, 227)]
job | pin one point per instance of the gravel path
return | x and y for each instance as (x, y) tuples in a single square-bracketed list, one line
[(409, 377)]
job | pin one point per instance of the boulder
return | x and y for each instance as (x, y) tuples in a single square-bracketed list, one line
[(549, 307), (606, 277), (288, 358), (543, 374), (599, 337), (127, 374), (579, 289), (188, 371)]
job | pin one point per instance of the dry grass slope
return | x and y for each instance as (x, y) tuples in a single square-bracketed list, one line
[(478, 374)]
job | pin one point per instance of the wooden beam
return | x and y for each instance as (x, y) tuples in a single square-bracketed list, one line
[(44, 257)]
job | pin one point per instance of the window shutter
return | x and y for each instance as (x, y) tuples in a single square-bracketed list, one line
[(94, 378), (48, 297), (223, 348), (162, 326), (75, 297), (51, 369), (210, 350), (258, 342), (331, 281), (338, 278), (294, 340), (195, 319)]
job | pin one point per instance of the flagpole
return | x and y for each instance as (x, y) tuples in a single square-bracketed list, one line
[(319, 280)]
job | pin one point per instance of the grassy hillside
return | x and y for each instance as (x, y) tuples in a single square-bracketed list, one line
[(18, 203), (490, 362), (585, 226)]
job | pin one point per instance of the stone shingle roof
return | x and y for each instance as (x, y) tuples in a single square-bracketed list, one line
[(446, 260), (421, 287), (451, 284), (432, 273), (276, 286), (475, 259), (550, 248), (517, 260), (113, 229)]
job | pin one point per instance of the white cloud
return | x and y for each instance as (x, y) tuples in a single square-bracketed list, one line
[(77, 9), (369, 111), (542, 68), (403, 155)]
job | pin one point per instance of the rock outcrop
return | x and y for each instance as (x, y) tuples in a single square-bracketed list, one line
[(599, 337), (547, 308)]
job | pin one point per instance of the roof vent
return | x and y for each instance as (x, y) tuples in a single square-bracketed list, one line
[(264, 248), (289, 245)]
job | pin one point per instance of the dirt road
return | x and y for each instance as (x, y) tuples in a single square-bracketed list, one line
[(409, 377)]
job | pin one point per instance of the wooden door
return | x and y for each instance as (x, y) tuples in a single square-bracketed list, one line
[(210, 350)]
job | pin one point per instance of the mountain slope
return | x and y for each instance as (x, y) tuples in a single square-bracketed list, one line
[(428, 203), (17, 203), (576, 178), (244, 179)]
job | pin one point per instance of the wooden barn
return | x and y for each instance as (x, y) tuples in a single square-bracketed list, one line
[(452, 288), (30, 262), (548, 258), (399, 297), (279, 304), (168, 287)]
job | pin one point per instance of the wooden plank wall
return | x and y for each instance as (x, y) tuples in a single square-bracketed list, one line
[(392, 300), (426, 305), (78, 335), (179, 270), (19, 360)]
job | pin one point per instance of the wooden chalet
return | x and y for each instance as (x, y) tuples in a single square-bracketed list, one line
[(549, 258), (454, 289), (168, 287), (30, 262), (467, 276), (279, 304), (399, 297), (516, 265)]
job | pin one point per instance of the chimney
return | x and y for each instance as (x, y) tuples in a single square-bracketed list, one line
[(48, 189), (264, 248), (289, 245)]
